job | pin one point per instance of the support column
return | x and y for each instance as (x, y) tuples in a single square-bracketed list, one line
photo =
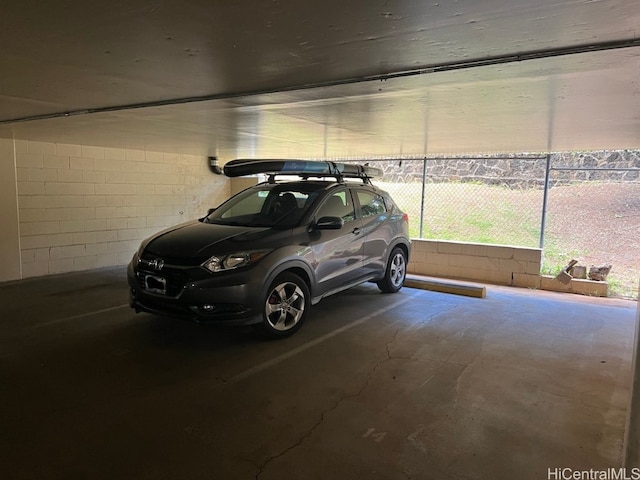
[(10, 226), (632, 434)]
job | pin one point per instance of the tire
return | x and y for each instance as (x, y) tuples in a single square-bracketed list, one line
[(396, 272), (285, 306)]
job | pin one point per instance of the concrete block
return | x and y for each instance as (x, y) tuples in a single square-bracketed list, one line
[(126, 212), (590, 287), (125, 257), (37, 201), (153, 157), (94, 200), (449, 247), (85, 263), (34, 215), (113, 189), (124, 246), (43, 175), (136, 222), (39, 228), (118, 177), (21, 146), (42, 148), (170, 158), (95, 225), (96, 249), (73, 213), (90, 176), (22, 174), (56, 161), (115, 200), (511, 266), (92, 152), (69, 200), (438, 259), (70, 226), (528, 254), (145, 189), (82, 163), (69, 188), (61, 266), (35, 269), (106, 212), (85, 237), (68, 150), (107, 260), (129, 234), (108, 236), (114, 153), (145, 211), (28, 256), (551, 284), (525, 280), (116, 223), (532, 268), (499, 251), (30, 160), (458, 260), (584, 287), (31, 188), (135, 155), (74, 176), (67, 251), (41, 254)]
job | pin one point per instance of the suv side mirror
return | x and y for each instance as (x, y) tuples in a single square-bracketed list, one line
[(329, 223)]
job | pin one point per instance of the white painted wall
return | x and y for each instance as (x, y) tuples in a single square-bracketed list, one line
[(83, 207), (9, 232)]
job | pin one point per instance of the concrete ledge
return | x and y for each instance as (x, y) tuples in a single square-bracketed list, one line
[(437, 285), (583, 287)]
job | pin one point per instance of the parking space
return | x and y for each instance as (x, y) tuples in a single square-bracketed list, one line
[(416, 384)]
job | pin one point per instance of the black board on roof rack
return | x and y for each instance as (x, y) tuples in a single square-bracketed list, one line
[(305, 168)]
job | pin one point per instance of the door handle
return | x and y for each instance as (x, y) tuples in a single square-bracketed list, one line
[(356, 231)]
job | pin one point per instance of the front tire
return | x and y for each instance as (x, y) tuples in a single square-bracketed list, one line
[(285, 306), (396, 272)]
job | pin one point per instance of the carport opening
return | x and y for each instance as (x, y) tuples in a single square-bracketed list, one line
[(577, 205)]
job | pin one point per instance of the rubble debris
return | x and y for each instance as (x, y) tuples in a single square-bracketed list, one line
[(579, 271), (599, 272), (564, 276)]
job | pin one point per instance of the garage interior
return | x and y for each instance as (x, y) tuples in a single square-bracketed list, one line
[(109, 114)]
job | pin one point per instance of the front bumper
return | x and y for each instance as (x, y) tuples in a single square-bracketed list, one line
[(229, 298)]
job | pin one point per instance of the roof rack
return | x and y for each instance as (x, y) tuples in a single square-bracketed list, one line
[(302, 168)]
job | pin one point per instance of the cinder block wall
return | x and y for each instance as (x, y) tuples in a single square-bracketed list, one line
[(497, 264), (83, 207)]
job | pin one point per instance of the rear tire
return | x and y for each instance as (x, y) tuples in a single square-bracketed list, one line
[(285, 306), (396, 272)]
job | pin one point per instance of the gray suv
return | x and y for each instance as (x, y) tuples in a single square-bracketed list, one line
[(270, 252)]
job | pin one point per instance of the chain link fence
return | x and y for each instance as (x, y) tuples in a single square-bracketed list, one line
[(580, 205)]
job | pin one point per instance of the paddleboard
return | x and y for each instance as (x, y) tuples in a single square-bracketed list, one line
[(241, 167)]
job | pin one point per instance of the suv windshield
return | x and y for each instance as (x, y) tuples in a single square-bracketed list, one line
[(265, 205)]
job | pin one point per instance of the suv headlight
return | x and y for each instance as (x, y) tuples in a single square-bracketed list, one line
[(220, 263)]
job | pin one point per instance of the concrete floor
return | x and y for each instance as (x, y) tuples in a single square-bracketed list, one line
[(417, 385)]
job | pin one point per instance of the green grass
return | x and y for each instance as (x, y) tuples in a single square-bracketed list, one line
[(488, 214)]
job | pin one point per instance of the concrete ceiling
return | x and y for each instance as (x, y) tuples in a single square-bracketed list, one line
[(348, 78)]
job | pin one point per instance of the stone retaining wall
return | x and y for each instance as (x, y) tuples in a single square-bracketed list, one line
[(517, 171)]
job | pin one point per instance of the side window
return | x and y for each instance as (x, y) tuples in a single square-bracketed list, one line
[(339, 204), (371, 204)]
